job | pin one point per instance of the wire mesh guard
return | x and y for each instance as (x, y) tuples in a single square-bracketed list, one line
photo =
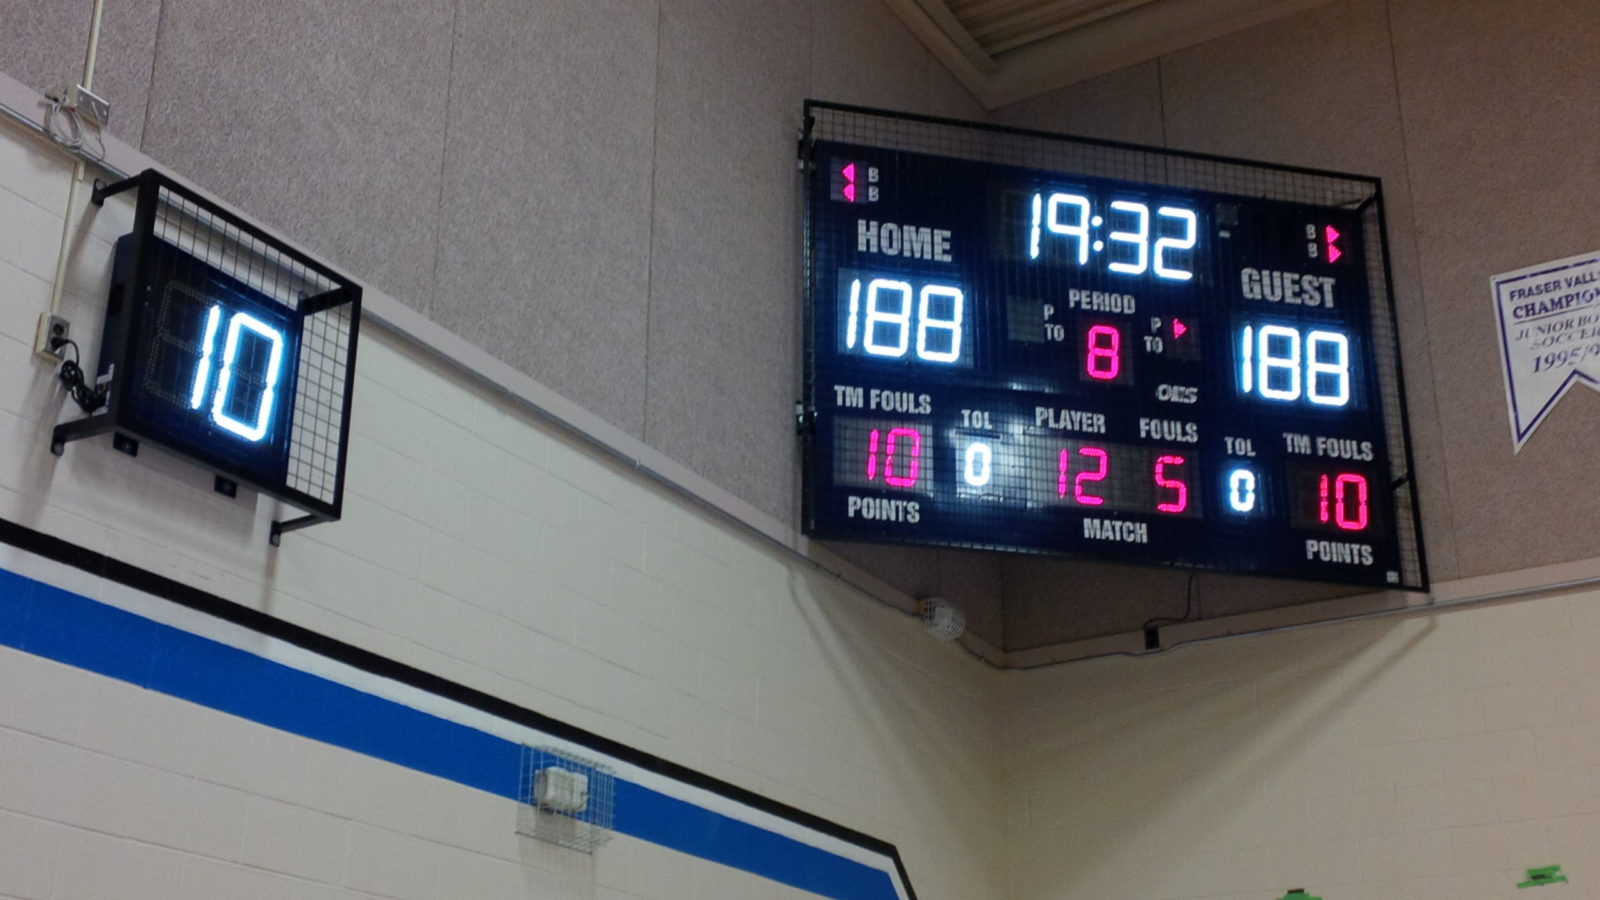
[(926, 300), (567, 800), (322, 370), (226, 345)]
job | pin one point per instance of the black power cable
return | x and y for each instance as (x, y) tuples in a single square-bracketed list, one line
[(88, 397), (1152, 634)]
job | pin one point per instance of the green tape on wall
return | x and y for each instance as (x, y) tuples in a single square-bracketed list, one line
[(1298, 894), (1544, 876)]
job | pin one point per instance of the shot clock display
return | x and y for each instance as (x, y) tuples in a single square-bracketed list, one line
[(225, 346), (1025, 359), (212, 358)]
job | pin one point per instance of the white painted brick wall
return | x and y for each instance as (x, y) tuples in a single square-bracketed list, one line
[(1429, 757), (481, 547)]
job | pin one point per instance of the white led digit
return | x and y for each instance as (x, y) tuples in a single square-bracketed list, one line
[(1033, 231), (978, 464), (1247, 351), (240, 323), (901, 320), (1289, 365), (202, 372), (1080, 229), (1139, 239), (928, 322), (1190, 227), (1242, 490), (1337, 371), (855, 307)]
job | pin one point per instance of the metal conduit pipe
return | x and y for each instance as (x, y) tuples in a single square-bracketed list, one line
[(91, 56)]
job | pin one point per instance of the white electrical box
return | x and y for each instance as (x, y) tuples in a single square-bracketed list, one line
[(561, 790)]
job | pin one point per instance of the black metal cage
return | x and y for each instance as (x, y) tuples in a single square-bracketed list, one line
[(923, 161), (227, 346)]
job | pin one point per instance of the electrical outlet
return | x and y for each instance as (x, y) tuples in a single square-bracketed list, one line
[(53, 332)]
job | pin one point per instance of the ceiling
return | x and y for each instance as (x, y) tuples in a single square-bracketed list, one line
[(1005, 51)]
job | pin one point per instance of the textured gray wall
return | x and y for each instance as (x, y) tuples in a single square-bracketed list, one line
[(44, 43), (602, 193)]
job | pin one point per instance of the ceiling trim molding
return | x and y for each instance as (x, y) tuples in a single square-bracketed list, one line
[(1095, 47)]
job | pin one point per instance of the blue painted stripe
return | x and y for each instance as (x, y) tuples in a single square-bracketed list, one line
[(47, 621)]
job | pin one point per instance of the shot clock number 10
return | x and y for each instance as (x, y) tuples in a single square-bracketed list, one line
[(241, 402), (1025, 359), (227, 347)]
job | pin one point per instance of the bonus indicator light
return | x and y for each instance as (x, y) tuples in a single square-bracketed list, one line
[(1323, 243), (855, 181)]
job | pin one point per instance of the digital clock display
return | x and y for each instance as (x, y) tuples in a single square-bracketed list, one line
[(226, 346), (213, 358), (1014, 358)]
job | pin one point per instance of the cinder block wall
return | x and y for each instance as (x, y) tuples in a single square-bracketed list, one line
[(477, 546), (1428, 757)]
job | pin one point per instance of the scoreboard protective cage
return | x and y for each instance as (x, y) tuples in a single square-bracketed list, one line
[(1024, 341), (226, 346)]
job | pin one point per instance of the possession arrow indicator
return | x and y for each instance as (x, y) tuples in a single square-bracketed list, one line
[(849, 190), (1178, 328), (1332, 234)]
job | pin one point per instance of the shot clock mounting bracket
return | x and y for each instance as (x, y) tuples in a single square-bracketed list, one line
[(226, 346), (1032, 342)]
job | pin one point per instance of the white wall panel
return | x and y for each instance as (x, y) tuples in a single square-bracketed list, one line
[(482, 547)]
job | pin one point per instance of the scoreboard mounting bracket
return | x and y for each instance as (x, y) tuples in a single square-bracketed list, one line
[(226, 346), (1031, 342)]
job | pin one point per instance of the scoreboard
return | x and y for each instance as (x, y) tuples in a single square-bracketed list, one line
[(1022, 359)]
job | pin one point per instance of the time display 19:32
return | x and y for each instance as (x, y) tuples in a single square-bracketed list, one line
[(1031, 360)]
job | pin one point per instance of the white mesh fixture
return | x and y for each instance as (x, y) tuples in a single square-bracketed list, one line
[(567, 800), (942, 620)]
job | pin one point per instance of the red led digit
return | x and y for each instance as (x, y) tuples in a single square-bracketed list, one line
[(1180, 502), (1341, 501), (895, 434), (888, 462), (1078, 493), (1102, 361), (1061, 470), (1341, 515)]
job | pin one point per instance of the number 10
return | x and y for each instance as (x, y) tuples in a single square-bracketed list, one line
[(237, 326)]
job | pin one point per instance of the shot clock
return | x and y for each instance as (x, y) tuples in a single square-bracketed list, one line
[(1036, 359), (226, 346), (212, 358)]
